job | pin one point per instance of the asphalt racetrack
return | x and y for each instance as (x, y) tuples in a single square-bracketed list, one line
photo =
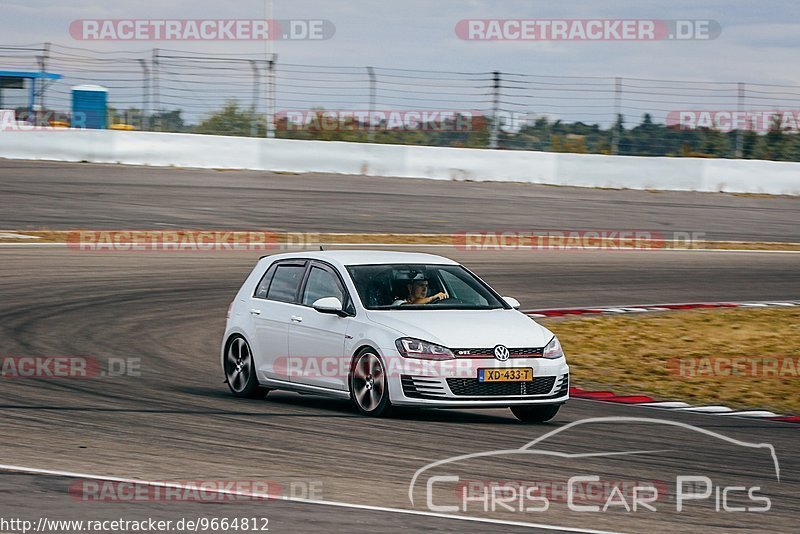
[(41, 195), (172, 418)]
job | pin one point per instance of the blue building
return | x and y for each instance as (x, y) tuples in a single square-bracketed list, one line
[(12, 79)]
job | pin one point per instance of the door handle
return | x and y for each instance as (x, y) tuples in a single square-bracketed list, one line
[(255, 312), (296, 319)]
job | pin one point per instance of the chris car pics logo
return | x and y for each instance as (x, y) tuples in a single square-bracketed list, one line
[(587, 488)]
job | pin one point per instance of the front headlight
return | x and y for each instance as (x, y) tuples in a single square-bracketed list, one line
[(416, 348), (553, 350)]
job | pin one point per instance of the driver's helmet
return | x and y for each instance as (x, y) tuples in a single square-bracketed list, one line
[(419, 277)]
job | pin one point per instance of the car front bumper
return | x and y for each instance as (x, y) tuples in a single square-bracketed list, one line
[(455, 384)]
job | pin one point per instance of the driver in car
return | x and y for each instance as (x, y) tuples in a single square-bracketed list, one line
[(417, 291)]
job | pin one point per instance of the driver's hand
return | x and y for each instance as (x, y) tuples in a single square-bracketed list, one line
[(440, 296)]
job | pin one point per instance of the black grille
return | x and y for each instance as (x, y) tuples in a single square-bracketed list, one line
[(564, 386), (520, 352), (466, 387), (429, 388)]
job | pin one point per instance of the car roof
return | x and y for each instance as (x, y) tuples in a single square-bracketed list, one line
[(367, 257)]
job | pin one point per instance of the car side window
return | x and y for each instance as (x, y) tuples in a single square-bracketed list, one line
[(286, 282), (321, 283), (263, 285)]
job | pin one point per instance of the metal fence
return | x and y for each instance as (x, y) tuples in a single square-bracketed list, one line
[(148, 88)]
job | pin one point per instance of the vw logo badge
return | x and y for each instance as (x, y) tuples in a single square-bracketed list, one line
[(501, 353)]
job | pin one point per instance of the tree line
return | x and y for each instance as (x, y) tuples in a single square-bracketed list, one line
[(644, 139)]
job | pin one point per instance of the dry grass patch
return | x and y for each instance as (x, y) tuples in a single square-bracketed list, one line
[(633, 353)]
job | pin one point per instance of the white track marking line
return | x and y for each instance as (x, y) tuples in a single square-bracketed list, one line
[(443, 245), (640, 308), (665, 404), (13, 235), (68, 474), (717, 410), (678, 406), (751, 413), (22, 244), (705, 410)]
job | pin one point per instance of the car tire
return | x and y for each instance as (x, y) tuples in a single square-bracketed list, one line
[(240, 370), (535, 414), (369, 385)]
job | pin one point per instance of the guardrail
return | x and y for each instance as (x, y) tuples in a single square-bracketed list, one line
[(439, 163)]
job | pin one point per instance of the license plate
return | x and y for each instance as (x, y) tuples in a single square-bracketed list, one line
[(514, 374)]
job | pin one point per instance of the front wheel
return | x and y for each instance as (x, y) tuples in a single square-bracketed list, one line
[(535, 414), (240, 372), (369, 387)]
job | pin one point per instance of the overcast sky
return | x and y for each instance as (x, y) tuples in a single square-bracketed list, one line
[(757, 43), (759, 40)]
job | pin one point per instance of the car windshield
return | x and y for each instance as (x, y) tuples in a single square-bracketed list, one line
[(416, 287)]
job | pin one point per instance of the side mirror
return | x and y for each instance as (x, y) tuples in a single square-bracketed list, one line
[(511, 301), (329, 305)]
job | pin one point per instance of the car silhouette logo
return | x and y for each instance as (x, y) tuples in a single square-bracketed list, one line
[(501, 353)]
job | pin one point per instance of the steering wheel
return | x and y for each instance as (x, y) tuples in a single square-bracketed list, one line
[(448, 300)]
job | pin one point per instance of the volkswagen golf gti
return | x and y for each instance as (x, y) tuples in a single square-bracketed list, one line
[(388, 329)]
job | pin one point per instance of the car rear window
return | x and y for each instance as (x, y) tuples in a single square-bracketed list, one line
[(286, 282)]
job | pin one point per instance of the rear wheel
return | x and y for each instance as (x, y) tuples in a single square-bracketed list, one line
[(240, 371), (535, 414), (369, 386)]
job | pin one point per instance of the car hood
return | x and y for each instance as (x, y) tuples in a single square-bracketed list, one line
[(465, 328)]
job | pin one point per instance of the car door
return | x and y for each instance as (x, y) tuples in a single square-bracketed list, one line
[(272, 307), (317, 340)]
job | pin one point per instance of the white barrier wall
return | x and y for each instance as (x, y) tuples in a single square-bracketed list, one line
[(284, 155)]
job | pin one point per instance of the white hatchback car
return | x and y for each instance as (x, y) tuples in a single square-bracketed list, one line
[(389, 329)]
